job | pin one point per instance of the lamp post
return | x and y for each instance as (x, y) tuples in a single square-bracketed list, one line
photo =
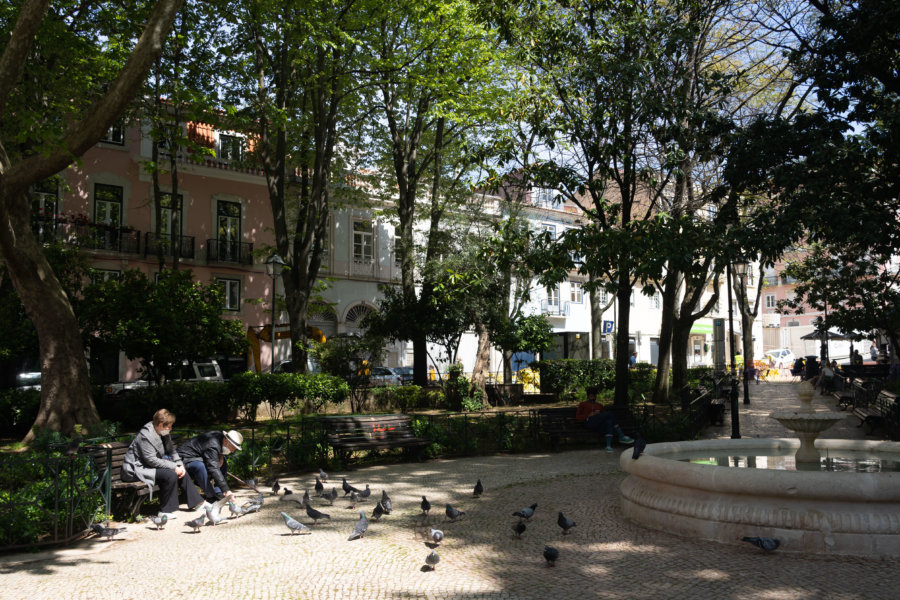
[(740, 270), (274, 265), (735, 418)]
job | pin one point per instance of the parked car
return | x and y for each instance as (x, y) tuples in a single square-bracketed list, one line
[(189, 372), (405, 374), (782, 358), (28, 380), (287, 366), (383, 376)]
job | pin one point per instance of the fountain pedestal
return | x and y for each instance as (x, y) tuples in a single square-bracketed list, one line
[(807, 426)]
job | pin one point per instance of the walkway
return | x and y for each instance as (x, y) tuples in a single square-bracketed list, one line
[(604, 557)]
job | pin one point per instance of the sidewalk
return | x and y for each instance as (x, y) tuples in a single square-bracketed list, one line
[(603, 557)]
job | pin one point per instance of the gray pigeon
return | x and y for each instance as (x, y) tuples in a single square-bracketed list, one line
[(315, 515), (252, 483), (479, 489), (640, 444), (250, 507), (320, 488), (377, 512), (276, 486), (432, 560), (196, 523), (359, 530), (551, 555), (452, 513), (159, 521), (365, 493), (437, 535), (294, 525), (386, 503), (305, 497), (290, 496), (425, 505), (347, 487), (212, 513), (519, 528), (323, 475), (108, 532), (331, 496), (766, 544), (354, 498), (565, 522), (526, 513), (235, 511), (258, 499)]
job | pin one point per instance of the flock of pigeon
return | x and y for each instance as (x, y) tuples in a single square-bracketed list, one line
[(213, 515)]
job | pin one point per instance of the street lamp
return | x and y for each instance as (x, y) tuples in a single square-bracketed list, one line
[(274, 265), (740, 270), (735, 418)]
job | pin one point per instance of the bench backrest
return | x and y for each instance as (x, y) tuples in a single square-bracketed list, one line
[(369, 427), (114, 452)]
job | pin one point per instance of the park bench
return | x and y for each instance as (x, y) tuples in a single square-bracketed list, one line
[(882, 412), (125, 496), (348, 434), (558, 425), (865, 403)]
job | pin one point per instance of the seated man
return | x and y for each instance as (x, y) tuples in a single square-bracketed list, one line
[(597, 418), (204, 458)]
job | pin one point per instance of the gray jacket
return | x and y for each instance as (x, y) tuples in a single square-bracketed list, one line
[(147, 453)]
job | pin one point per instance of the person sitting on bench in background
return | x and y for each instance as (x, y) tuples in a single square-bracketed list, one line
[(597, 418), (204, 458)]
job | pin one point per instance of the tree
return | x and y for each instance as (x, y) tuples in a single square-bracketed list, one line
[(162, 323), (48, 120)]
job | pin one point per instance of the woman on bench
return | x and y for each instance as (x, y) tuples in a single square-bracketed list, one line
[(152, 459), (597, 418)]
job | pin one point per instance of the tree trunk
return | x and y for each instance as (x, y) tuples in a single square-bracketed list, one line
[(596, 325), (681, 332), (671, 284), (622, 355), (482, 356), (65, 385)]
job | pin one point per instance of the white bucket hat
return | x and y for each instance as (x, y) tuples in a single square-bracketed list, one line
[(235, 438)]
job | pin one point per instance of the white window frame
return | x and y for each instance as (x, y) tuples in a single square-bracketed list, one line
[(576, 292), (121, 202), (232, 289), (115, 134), (231, 147), (655, 301), (771, 301), (363, 241), (101, 275), (553, 296), (549, 228)]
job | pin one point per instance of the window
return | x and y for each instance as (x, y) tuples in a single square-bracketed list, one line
[(655, 300), (398, 259), (576, 292), (101, 275), (170, 215), (44, 198), (108, 204), (553, 296), (363, 241), (770, 301), (115, 134), (604, 296), (232, 291), (751, 277), (793, 323), (231, 147), (228, 231), (551, 229), (545, 198)]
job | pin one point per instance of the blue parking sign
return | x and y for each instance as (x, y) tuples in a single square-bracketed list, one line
[(607, 326)]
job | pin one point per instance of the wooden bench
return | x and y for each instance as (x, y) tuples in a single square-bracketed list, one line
[(349, 434), (124, 496), (559, 425), (882, 412), (717, 411)]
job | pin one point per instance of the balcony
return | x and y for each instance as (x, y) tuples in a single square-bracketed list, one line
[(554, 308), (169, 244), (362, 267), (229, 251), (91, 236)]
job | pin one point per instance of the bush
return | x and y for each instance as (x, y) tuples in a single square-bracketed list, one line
[(565, 376), (403, 397), (18, 410)]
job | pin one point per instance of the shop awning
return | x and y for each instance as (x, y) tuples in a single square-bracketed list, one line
[(702, 329)]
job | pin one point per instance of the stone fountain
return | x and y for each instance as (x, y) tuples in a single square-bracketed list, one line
[(810, 511)]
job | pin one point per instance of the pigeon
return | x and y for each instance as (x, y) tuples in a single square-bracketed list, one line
[(331, 496), (354, 498), (108, 532), (196, 523), (258, 499), (386, 503), (519, 528), (252, 483), (294, 525), (347, 487), (479, 489), (365, 493), (432, 560), (526, 513), (159, 521), (290, 496), (319, 487), (565, 522), (359, 530), (250, 507), (305, 497), (276, 486), (377, 512), (426, 505), (315, 515), (551, 555), (323, 475), (452, 513), (767, 544), (235, 511), (437, 535), (639, 445), (287, 491), (212, 513)]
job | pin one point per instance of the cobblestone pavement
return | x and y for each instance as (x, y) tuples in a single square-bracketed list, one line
[(604, 557)]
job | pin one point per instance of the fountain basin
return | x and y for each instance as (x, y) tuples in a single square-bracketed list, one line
[(809, 511)]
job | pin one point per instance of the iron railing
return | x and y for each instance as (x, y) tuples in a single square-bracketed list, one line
[(229, 251), (182, 245), (92, 236)]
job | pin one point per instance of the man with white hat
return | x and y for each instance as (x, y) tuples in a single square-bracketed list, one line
[(204, 459)]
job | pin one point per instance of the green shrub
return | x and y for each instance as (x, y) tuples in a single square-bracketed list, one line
[(18, 410), (565, 376), (400, 397)]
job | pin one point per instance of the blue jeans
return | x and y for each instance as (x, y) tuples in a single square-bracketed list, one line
[(602, 421), (197, 471)]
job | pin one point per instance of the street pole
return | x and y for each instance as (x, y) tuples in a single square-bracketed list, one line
[(741, 271), (735, 417)]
